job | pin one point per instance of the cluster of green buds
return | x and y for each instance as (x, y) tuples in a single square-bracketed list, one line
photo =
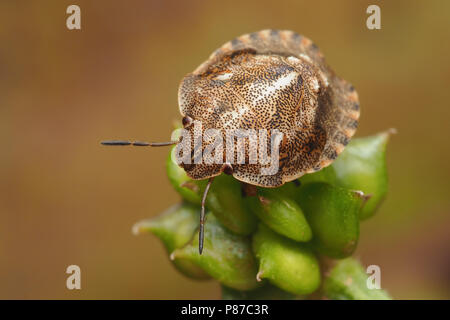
[(279, 243)]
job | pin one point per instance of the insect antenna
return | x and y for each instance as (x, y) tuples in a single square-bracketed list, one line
[(202, 217), (137, 143)]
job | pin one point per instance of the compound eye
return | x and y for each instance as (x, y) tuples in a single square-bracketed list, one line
[(186, 121)]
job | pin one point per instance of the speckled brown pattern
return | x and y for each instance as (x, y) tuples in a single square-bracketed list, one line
[(272, 80)]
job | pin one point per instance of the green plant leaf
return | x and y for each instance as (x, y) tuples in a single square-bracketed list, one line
[(265, 292), (227, 257), (287, 264), (348, 281), (280, 213), (175, 228), (333, 214)]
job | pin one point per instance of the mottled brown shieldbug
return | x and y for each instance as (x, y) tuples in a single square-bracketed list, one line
[(267, 80)]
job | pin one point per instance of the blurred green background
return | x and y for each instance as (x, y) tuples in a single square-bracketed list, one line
[(65, 200)]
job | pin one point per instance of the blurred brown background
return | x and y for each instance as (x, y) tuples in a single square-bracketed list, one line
[(66, 200)]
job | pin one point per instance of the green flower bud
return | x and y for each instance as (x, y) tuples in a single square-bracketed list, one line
[(287, 264), (227, 204), (175, 228), (332, 213), (280, 213), (226, 256), (348, 281), (327, 175), (362, 166), (190, 190), (289, 189), (265, 292), (224, 198)]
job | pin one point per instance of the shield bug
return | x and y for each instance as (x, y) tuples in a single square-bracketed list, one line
[(269, 80)]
